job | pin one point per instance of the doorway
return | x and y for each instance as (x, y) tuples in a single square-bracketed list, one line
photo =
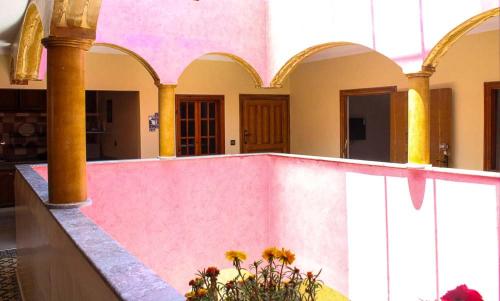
[(492, 126), (264, 123), (200, 125), (365, 123), (391, 142)]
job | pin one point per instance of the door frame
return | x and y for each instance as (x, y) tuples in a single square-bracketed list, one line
[(284, 97), (221, 139), (490, 121), (344, 95)]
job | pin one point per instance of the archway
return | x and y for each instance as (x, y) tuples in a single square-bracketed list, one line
[(325, 81), (27, 56), (140, 59), (432, 59), (243, 63)]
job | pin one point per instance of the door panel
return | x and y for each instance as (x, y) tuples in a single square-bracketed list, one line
[(264, 123), (399, 127), (440, 119), (200, 125)]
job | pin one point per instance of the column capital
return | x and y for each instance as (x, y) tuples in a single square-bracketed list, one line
[(426, 71), (166, 86), (52, 41)]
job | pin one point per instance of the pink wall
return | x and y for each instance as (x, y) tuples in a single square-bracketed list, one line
[(377, 231), (170, 34)]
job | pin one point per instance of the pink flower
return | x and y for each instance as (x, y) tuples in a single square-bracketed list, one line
[(462, 293)]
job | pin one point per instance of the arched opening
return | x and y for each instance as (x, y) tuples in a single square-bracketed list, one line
[(343, 102), (219, 82), (467, 60), (140, 59), (120, 99), (432, 59), (292, 63), (27, 55)]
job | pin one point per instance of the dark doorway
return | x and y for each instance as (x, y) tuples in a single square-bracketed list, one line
[(492, 126)]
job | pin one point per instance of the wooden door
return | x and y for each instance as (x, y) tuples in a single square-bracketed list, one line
[(7, 188), (491, 155), (264, 123), (200, 125), (399, 127), (440, 120)]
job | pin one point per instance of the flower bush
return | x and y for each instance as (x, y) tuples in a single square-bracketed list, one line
[(270, 279), (462, 293)]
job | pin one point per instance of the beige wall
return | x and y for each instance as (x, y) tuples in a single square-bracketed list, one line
[(228, 79), (114, 72), (315, 95)]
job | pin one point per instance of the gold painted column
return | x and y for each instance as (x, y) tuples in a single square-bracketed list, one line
[(66, 120), (419, 118), (166, 110)]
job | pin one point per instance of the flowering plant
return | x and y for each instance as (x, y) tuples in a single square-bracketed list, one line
[(462, 293), (270, 279)]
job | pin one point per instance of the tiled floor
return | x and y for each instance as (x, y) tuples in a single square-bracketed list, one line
[(8, 282)]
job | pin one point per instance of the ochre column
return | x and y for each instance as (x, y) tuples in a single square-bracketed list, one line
[(419, 118), (166, 109), (66, 120)]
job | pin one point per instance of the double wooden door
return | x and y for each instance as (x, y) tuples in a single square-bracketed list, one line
[(199, 125), (264, 123), (440, 126)]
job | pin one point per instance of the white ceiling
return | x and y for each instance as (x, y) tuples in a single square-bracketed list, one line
[(11, 15)]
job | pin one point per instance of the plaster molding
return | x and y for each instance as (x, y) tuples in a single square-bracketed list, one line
[(144, 63), (251, 70), (52, 41), (27, 53), (432, 59), (291, 64), (75, 18)]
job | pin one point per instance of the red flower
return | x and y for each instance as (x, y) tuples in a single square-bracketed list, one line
[(462, 293)]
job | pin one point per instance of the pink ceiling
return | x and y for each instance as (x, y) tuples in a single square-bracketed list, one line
[(170, 34)]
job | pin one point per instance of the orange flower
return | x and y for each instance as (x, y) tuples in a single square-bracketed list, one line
[(236, 255), (189, 295), (286, 256), (310, 275), (201, 292), (270, 253)]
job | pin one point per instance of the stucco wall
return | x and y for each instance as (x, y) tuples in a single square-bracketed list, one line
[(315, 95), (373, 228)]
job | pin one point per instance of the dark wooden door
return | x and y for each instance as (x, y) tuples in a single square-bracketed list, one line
[(200, 125), (264, 123), (440, 120), (6, 188), (491, 126)]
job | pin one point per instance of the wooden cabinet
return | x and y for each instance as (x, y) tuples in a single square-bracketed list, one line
[(12, 100), (9, 99), (33, 100), (7, 188)]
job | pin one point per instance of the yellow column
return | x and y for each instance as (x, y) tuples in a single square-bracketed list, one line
[(419, 118), (166, 109), (66, 120)]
